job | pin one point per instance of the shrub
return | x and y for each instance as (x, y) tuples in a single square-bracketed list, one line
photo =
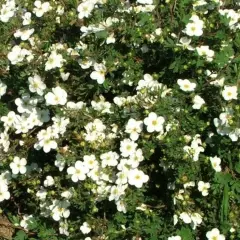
[(119, 120)]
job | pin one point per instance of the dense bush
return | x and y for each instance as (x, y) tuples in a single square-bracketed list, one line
[(119, 120)]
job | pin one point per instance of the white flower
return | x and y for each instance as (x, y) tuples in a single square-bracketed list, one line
[(110, 39), (60, 162), (146, 82), (137, 178), (229, 93), (57, 96), (27, 219), (149, 2), (175, 238), (85, 228), (18, 54), (5, 177), (197, 102), (175, 219), (4, 193), (203, 187), (102, 105), (99, 73), (64, 76), (196, 219), (90, 161), (154, 122), (158, 31), (63, 228), (121, 206), (68, 193), (185, 217), (189, 184), (49, 181), (205, 51), (26, 18), (194, 28), (59, 209), (135, 158), (47, 144), (42, 193), (122, 177), (116, 192), (133, 128), (185, 43), (7, 11), (234, 134), (127, 147), (25, 104), (41, 8), (54, 61), (24, 34), (109, 159), (218, 82), (3, 89), (85, 9), (18, 165), (78, 172), (86, 63), (216, 161), (36, 84), (195, 149), (214, 234), (186, 85)]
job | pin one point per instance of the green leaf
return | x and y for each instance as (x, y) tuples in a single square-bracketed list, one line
[(237, 167), (185, 233), (223, 178), (225, 204), (101, 34), (21, 235)]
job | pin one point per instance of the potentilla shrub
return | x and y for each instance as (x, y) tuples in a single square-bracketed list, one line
[(119, 119)]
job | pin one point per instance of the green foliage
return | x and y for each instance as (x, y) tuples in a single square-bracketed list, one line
[(145, 50)]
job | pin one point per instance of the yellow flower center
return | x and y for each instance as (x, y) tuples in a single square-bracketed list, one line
[(137, 177), (154, 122)]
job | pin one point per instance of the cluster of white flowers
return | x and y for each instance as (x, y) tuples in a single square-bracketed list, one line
[(47, 138), (194, 219), (223, 125), (18, 54), (233, 17), (113, 161), (95, 131), (7, 10), (24, 34), (126, 166), (102, 105), (5, 178), (41, 8)]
